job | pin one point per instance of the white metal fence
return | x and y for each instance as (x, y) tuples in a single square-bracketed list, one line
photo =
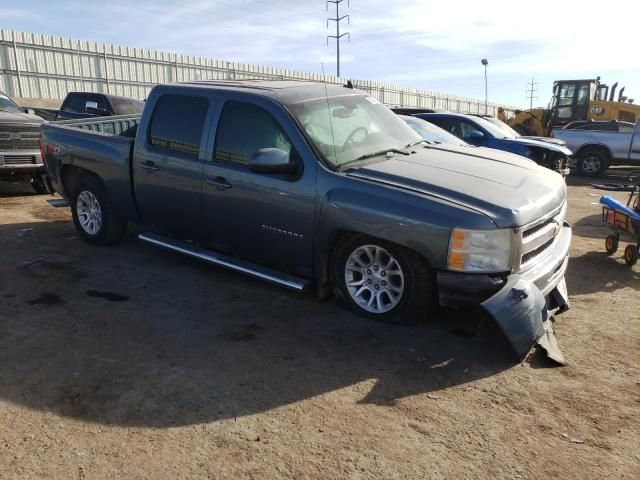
[(42, 66)]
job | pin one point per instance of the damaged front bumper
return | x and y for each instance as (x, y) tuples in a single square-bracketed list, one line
[(522, 303)]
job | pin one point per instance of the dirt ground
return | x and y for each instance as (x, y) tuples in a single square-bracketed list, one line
[(132, 362)]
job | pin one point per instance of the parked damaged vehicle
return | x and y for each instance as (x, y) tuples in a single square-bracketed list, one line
[(483, 133), (598, 149), (321, 186), (20, 158)]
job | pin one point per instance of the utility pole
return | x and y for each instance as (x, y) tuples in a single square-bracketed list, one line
[(531, 90), (337, 36), (485, 62)]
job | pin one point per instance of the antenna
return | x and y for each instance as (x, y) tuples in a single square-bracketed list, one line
[(326, 96), (338, 36)]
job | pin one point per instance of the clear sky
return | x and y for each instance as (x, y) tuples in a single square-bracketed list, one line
[(435, 45)]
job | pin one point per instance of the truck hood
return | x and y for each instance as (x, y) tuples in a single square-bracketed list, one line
[(15, 117), (546, 145), (553, 141), (511, 190)]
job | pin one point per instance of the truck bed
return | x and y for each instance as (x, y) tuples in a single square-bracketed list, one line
[(122, 125), (110, 141)]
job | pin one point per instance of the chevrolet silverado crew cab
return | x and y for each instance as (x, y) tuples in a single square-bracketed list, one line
[(304, 184)]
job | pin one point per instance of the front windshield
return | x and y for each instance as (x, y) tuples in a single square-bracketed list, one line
[(431, 133), (495, 130), (345, 129), (6, 105)]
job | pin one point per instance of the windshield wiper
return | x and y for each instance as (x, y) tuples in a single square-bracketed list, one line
[(417, 143), (374, 154)]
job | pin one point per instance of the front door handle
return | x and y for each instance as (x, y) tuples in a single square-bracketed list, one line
[(219, 182), (149, 166)]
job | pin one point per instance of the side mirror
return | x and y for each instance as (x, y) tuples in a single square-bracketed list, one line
[(271, 160), (29, 111), (476, 135)]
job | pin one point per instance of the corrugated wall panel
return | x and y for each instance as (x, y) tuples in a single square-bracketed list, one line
[(49, 67)]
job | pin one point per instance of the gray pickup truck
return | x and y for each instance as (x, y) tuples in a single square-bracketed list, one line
[(303, 184), (20, 158), (596, 150)]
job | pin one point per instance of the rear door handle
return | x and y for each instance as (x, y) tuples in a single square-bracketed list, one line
[(149, 166), (219, 182)]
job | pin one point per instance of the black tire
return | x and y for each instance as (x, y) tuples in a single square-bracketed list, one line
[(38, 186), (112, 227), (418, 298), (611, 244), (592, 163), (631, 255)]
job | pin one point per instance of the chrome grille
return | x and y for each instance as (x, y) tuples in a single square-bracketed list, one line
[(19, 137), (535, 240), (18, 160)]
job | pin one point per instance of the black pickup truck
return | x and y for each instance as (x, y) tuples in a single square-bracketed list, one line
[(303, 184), (89, 104)]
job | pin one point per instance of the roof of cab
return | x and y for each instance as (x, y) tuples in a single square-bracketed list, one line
[(287, 92)]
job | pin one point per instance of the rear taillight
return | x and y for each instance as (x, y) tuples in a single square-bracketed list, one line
[(44, 157)]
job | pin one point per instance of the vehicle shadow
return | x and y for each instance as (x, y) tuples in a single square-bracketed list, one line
[(612, 175), (132, 335), (596, 272), (16, 189)]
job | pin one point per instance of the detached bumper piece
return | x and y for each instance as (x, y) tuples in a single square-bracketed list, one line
[(523, 314)]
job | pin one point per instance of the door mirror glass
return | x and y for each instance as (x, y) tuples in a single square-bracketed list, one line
[(271, 160), (476, 135), (90, 105)]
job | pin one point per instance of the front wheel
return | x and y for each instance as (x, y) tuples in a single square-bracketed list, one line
[(94, 217), (383, 281)]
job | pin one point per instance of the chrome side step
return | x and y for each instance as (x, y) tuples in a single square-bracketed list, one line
[(59, 202), (231, 263)]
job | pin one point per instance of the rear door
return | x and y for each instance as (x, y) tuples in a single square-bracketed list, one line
[(634, 151), (167, 164), (264, 218)]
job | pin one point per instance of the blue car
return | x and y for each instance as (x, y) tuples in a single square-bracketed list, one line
[(484, 133)]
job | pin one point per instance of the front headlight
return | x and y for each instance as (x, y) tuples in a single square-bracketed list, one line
[(488, 251)]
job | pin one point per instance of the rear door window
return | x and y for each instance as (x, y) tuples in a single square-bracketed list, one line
[(177, 123), (76, 103), (245, 128)]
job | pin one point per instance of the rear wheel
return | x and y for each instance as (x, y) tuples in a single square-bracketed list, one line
[(631, 255), (611, 244), (94, 217), (592, 163), (383, 281)]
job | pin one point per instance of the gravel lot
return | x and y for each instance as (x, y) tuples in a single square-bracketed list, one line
[(132, 362)]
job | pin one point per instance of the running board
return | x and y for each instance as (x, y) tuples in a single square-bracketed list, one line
[(231, 263), (59, 202)]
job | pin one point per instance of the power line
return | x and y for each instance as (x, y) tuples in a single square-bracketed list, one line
[(338, 36), (531, 91)]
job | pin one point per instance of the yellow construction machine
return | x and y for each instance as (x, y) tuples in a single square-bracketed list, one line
[(574, 100)]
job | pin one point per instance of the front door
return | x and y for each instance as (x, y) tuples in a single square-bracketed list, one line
[(267, 219), (167, 167)]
